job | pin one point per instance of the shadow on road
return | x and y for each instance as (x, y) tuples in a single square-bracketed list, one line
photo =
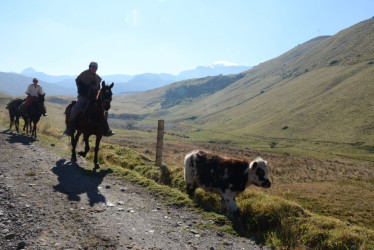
[(18, 138), (74, 181)]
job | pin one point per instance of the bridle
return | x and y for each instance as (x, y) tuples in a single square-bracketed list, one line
[(105, 103)]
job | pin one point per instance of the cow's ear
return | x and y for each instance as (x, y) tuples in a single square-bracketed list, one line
[(254, 165), (111, 86)]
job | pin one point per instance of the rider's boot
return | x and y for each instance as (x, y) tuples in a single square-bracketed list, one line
[(108, 131), (44, 110)]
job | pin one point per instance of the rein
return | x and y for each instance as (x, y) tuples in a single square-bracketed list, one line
[(100, 100)]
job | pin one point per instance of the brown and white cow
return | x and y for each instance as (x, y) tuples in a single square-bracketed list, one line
[(225, 176)]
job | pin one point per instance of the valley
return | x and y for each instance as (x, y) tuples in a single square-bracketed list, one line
[(308, 112)]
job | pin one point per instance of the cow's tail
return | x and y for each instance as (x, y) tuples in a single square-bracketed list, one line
[(190, 173)]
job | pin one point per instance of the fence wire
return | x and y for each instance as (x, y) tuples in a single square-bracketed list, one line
[(180, 130)]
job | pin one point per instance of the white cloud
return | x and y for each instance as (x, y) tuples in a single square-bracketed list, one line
[(223, 63)]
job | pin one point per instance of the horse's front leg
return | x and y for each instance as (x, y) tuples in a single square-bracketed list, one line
[(11, 121), (16, 123), (27, 125), (34, 130), (31, 129), (33, 133), (74, 141), (98, 139), (86, 146), (24, 125)]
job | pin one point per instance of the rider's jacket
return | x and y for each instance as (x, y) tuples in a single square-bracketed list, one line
[(86, 80)]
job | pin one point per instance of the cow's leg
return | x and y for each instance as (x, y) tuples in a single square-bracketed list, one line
[(190, 189), (234, 212), (223, 207), (230, 203)]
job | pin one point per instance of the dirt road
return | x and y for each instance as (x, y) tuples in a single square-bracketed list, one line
[(47, 202)]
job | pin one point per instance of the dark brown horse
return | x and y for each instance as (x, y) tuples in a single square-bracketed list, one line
[(36, 111), (91, 123), (17, 109), (27, 126), (14, 112)]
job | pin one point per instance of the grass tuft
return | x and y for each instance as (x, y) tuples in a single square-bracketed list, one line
[(277, 221)]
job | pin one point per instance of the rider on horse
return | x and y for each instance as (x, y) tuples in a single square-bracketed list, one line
[(87, 82), (32, 92)]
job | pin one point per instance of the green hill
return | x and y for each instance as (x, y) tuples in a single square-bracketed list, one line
[(320, 92), (2, 95), (4, 99)]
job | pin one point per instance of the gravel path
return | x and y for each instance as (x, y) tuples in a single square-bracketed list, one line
[(49, 203)]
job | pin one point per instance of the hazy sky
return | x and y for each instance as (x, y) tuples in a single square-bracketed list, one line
[(162, 36)]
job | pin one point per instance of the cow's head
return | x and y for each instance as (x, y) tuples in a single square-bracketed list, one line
[(258, 173)]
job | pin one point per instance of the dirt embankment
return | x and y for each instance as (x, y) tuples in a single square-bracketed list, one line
[(49, 203)]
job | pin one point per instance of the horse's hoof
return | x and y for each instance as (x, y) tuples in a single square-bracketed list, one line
[(73, 159), (97, 166)]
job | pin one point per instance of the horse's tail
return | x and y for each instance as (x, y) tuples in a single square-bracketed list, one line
[(69, 107), (14, 103), (10, 103), (68, 112)]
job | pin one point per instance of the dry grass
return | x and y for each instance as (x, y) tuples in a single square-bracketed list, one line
[(277, 220), (341, 188)]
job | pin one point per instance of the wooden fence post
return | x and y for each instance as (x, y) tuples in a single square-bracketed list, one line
[(160, 142)]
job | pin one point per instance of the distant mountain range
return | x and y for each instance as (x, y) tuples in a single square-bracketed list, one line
[(14, 84)]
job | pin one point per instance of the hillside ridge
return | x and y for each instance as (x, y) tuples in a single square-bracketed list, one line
[(318, 90)]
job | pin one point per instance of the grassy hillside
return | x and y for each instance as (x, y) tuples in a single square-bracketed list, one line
[(2, 95), (317, 96), (172, 95), (4, 100)]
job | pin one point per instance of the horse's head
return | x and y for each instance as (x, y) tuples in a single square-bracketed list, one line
[(39, 104), (41, 98), (105, 95)]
